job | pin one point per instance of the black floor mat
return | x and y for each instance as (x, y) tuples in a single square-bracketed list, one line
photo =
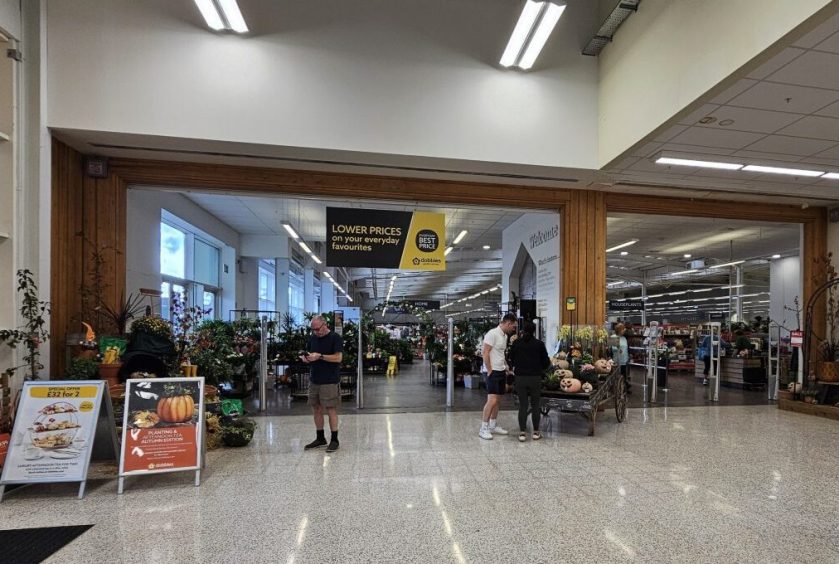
[(25, 546)]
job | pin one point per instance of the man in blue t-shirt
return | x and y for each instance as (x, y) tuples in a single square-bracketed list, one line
[(324, 356)]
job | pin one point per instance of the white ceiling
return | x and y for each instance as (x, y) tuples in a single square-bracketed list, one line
[(783, 113)]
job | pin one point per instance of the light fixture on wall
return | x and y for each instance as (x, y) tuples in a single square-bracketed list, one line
[(535, 24), (222, 15)]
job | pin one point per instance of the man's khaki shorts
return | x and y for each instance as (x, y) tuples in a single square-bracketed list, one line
[(326, 395)]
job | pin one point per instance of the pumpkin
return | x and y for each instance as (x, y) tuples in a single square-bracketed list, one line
[(570, 385), (601, 365), (587, 387), (563, 364), (175, 409), (562, 355), (564, 373)]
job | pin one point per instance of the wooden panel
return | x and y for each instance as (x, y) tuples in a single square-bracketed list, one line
[(316, 184), (86, 214), (583, 257)]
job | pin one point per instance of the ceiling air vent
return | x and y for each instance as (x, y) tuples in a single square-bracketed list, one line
[(621, 11)]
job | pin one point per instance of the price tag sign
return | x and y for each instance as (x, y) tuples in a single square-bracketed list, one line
[(796, 338), (570, 303)]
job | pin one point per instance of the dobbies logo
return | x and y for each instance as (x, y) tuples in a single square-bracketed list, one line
[(418, 261), (427, 241)]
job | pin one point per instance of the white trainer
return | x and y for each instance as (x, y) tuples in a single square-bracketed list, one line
[(485, 434), (498, 430)]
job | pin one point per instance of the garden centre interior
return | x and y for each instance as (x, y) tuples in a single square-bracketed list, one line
[(233, 254)]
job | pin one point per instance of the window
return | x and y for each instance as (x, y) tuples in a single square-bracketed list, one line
[(267, 285), (189, 264), (172, 251)]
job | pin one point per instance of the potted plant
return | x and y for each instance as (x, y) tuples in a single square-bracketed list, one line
[(82, 368), (32, 334), (239, 432)]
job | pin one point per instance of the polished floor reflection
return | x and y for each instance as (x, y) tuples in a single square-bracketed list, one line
[(696, 484)]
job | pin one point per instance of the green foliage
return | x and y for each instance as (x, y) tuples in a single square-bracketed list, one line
[(33, 332), (82, 369), (153, 325)]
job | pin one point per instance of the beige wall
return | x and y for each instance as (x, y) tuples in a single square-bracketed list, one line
[(672, 52)]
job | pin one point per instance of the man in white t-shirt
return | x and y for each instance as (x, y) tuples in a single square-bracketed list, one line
[(495, 362)]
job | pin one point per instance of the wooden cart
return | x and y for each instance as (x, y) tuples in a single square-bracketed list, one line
[(612, 389)]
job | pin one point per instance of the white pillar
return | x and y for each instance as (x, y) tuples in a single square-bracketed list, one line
[(281, 269), (328, 299), (309, 289)]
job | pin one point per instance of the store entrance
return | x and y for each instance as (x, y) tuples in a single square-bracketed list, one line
[(669, 278), (230, 262)]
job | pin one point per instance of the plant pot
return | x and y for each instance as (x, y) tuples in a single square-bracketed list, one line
[(828, 371), (110, 373), (785, 395), (87, 353)]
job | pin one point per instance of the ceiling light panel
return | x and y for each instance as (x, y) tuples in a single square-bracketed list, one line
[(782, 170), (698, 164)]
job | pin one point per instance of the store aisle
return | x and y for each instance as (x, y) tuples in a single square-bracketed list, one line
[(708, 484)]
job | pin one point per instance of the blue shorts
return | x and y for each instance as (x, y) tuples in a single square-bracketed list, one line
[(497, 383)]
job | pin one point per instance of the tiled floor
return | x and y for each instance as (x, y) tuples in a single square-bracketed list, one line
[(696, 484)]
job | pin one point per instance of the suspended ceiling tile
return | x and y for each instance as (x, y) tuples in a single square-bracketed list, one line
[(814, 126), (734, 90), (784, 145), (696, 115), (707, 137), (832, 153), (747, 119), (646, 150), (776, 63), (830, 44), (813, 68), (670, 133), (785, 98), (691, 149)]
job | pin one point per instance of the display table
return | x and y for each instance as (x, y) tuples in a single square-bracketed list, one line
[(739, 372)]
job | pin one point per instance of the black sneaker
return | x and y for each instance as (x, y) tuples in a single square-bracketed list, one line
[(317, 443), (333, 446)]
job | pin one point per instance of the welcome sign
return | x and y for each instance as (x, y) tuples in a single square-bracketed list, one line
[(385, 239)]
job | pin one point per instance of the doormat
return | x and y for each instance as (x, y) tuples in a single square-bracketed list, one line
[(25, 546)]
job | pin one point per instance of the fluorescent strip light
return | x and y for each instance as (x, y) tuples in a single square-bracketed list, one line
[(727, 264), (776, 256), (486, 247), (316, 259), (831, 176), (448, 250), (698, 164), (392, 278), (527, 20), (305, 247), (233, 15), (459, 237), (211, 15), (781, 170), (622, 245), (540, 36), (287, 226)]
